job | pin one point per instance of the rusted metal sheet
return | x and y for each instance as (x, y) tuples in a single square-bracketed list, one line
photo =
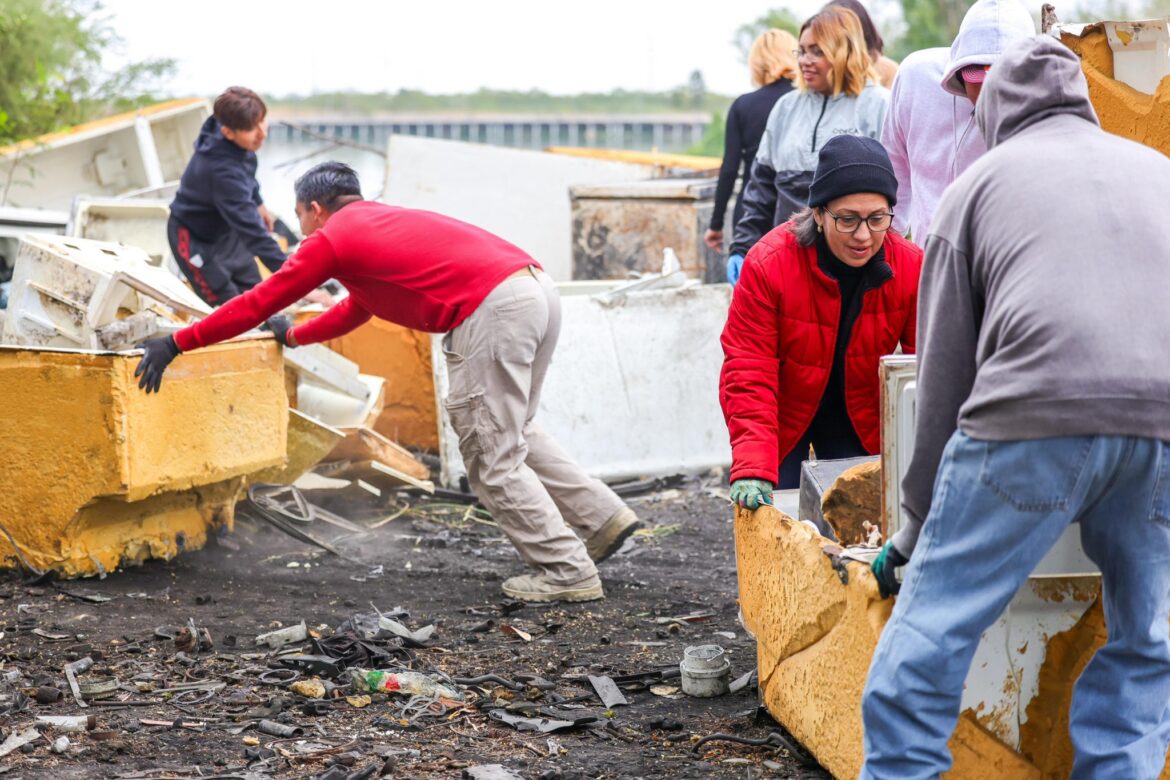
[(623, 228)]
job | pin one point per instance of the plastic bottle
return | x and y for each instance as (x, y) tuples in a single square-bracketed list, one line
[(407, 683)]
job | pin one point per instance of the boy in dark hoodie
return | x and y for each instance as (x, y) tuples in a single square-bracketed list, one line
[(218, 222)]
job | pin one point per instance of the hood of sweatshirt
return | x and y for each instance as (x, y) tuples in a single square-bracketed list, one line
[(1035, 79), (987, 29), (211, 141)]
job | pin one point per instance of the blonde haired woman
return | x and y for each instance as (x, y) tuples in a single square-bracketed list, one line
[(773, 68), (838, 94)]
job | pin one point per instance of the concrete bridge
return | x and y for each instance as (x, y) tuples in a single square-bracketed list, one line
[(665, 132)]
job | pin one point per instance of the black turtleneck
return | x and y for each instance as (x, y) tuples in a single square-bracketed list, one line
[(831, 423)]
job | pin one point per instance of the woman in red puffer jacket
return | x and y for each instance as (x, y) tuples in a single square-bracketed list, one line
[(821, 299)]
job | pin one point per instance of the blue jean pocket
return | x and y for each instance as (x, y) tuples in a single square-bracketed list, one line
[(1160, 504), (1038, 475)]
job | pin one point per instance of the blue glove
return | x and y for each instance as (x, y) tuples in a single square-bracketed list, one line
[(751, 493), (734, 266), (883, 569)]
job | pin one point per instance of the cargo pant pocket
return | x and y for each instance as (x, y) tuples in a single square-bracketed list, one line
[(518, 328), (472, 423)]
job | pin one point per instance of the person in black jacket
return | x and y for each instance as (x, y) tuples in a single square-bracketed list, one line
[(218, 222), (773, 67)]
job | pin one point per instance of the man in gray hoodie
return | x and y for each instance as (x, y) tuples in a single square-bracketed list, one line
[(1043, 400)]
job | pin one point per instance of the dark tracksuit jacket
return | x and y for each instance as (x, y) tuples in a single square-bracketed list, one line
[(745, 126), (215, 229)]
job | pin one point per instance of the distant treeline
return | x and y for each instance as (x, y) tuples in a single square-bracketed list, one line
[(687, 98)]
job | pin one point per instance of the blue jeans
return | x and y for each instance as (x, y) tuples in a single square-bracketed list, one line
[(998, 508)]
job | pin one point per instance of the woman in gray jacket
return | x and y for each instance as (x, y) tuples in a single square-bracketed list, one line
[(838, 94)]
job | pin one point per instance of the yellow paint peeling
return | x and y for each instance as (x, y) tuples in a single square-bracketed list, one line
[(816, 637), (96, 472), (1121, 108)]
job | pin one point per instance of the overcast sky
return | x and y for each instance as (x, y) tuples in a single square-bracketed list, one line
[(299, 46)]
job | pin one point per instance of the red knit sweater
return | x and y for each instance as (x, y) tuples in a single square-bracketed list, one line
[(416, 268)]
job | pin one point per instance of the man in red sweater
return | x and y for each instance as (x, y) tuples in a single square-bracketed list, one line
[(502, 317)]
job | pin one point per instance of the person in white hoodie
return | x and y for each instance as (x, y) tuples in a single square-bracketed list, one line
[(929, 130)]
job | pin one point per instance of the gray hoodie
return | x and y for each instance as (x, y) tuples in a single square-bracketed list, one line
[(1043, 299)]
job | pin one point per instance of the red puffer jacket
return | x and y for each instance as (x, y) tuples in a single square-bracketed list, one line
[(779, 339)]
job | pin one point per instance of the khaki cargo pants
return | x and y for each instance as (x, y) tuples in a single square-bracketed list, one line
[(497, 360)]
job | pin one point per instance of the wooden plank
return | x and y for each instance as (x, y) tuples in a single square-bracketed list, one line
[(366, 444)]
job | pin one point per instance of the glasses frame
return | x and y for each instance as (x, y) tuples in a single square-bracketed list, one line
[(819, 55), (837, 221)]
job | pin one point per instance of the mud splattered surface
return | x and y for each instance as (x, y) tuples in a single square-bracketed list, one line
[(444, 567)]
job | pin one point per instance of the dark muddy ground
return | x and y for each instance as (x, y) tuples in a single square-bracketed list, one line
[(444, 566)]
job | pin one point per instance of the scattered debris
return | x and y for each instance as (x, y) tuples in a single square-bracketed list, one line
[(694, 617), (607, 691), (310, 689), (543, 725), (284, 636), (705, 669), (68, 724), (490, 772), (742, 682), (508, 629), (17, 740), (404, 682), (274, 729)]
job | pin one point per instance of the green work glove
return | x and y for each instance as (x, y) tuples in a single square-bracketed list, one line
[(750, 493), (883, 569)]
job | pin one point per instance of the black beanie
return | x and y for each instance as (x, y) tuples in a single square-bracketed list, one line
[(849, 164)]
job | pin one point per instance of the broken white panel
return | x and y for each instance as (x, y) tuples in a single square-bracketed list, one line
[(1141, 52), (328, 368), (14, 222), (330, 388), (337, 408), (64, 289), (139, 222), (671, 275), (108, 157), (1004, 675), (518, 194), (633, 388), (61, 294)]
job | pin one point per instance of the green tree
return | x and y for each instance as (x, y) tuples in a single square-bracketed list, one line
[(711, 144), (928, 23), (696, 89), (51, 60), (779, 18)]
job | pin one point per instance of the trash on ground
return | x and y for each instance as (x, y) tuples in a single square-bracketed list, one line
[(607, 691), (705, 670)]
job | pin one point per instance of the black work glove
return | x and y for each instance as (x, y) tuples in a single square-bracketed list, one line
[(280, 325), (158, 354), (883, 569)]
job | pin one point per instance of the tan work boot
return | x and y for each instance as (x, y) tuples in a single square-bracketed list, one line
[(534, 587), (610, 537)]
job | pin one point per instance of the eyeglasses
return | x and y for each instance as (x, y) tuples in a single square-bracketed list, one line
[(813, 53), (849, 223)]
